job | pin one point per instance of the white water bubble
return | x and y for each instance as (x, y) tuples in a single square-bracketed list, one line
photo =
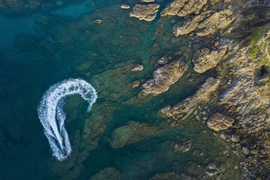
[(52, 116)]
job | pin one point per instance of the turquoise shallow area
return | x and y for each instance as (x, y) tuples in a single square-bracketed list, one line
[(41, 49)]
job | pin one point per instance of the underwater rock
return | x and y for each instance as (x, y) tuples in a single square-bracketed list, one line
[(206, 59), (219, 122), (187, 107), (182, 147), (211, 171), (165, 176), (165, 76), (135, 84), (137, 67), (107, 173), (125, 6), (194, 169), (144, 12), (182, 8), (132, 133), (218, 20)]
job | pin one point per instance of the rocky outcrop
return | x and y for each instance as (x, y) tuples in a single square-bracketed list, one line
[(144, 12), (219, 122), (182, 8), (107, 173), (218, 20), (181, 147), (187, 107), (206, 59), (165, 76)]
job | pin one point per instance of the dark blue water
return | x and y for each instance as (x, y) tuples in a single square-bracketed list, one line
[(42, 48)]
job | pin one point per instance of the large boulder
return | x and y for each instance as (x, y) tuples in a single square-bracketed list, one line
[(144, 12), (219, 122), (165, 76), (206, 59)]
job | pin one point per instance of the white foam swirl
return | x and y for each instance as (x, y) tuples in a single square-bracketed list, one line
[(52, 116)]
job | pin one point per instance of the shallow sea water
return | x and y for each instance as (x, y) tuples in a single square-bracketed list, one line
[(43, 48)]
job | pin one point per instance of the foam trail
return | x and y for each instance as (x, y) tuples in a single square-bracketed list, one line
[(52, 116)]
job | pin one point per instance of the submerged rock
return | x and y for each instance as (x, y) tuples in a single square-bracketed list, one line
[(206, 59), (165, 76), (132, 133), (182, 147), (219, 122), (165, 176), (107, 173), (144, 12)]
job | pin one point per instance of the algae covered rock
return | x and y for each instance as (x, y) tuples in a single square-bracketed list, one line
[(219, 122), (164, 176), (165, 76), (144, 12), (132, 133), (107, 173)]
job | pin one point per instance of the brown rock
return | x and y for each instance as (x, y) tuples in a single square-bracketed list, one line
[(164, 77), (219, 122), (125, 6), (137, 67), (165, 176), (182, 147), (218, 20), (206, 59), (144, 12), (186, 108), (182, 8)]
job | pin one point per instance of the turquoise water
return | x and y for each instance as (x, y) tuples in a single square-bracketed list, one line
[(43, 48)]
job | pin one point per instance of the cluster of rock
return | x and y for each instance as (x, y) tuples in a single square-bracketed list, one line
[(171, 70), (107, 173), (189, 106), (182, 8)]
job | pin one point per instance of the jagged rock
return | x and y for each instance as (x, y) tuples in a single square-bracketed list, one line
[(188, 26), (107, 173), (137, 67), (132, 133), (211, 170), (218, 20), (187, 107), (125, 6), (194, 169), (135, 84), (147, 1), (182, 8), (165, 176), (144, 12), (164, 77), (181, 147), (206, 59), (219, 122)]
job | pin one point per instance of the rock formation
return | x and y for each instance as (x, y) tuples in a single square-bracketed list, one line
[(144, 12), (219, 122), (166, 75)]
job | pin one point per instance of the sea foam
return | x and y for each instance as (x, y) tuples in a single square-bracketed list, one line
[(52, 116)]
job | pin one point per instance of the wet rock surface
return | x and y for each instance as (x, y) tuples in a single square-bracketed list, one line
[(144, 12), (166, 75), (219, 122), (107, 173)]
